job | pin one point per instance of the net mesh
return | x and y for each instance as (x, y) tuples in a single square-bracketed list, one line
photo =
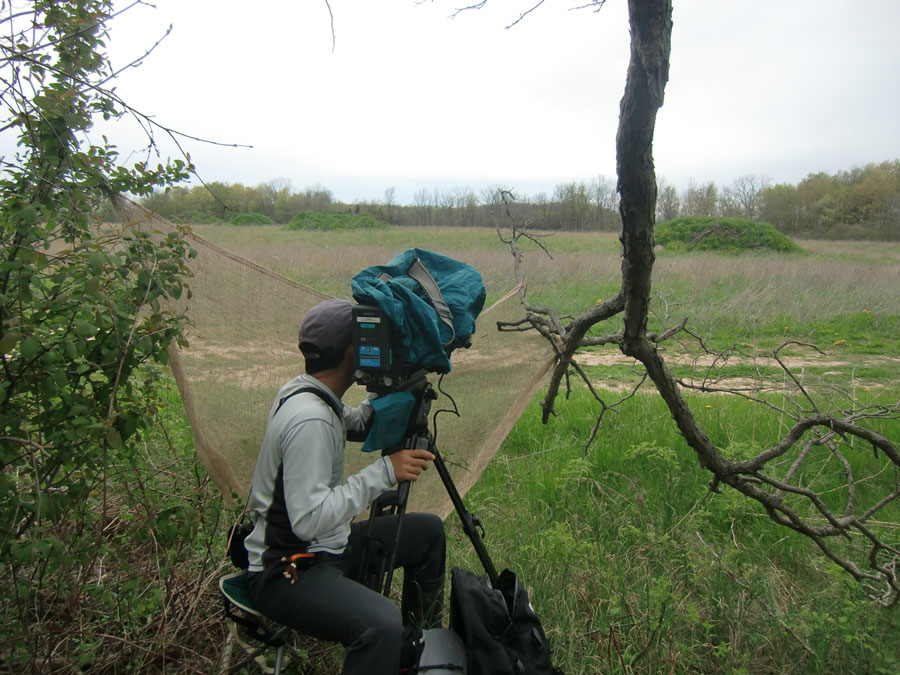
[(242, 346)]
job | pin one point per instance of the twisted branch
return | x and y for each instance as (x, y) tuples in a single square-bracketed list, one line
[(792, 499)]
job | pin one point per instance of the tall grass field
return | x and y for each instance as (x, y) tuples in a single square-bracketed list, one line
[(632, 563)]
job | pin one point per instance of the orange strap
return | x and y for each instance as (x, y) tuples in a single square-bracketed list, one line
[(297, 556)]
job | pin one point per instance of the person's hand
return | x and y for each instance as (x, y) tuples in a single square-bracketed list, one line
[(408, 464)]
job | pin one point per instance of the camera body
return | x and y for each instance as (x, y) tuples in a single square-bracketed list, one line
[(372, 340), (380, 364)]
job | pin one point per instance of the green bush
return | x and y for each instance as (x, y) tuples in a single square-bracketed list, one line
[(87, 313), (327, 220), (734, 235), (196, 218), (252, 218)]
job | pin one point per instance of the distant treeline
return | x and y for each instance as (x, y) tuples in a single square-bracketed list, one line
[(862, 203)]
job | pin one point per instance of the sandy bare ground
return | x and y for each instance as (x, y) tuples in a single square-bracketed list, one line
[(704, 366), (237, 381)]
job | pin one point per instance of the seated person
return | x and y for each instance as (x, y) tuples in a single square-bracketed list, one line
[(304, 552)]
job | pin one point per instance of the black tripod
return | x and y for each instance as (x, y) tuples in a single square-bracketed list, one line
[(377, 567)]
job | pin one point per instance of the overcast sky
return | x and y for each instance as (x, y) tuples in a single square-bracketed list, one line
[(410, 98)]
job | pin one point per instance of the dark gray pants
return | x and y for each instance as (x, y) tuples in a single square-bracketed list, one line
[(326, 601)]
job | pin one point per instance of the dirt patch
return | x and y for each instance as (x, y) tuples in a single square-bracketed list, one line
[(707, 360), (474, 359), (795, 364)]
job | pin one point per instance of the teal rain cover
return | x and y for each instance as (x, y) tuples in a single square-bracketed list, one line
[(392, 414)]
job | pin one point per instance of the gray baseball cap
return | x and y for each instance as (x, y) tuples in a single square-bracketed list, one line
[(327, 326)]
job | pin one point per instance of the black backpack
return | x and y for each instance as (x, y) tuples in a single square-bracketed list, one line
[(502, 633)]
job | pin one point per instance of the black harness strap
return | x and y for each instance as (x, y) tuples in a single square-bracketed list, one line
[(352, 435), (318, 392)]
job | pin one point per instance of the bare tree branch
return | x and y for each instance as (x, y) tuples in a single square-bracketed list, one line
[(525, 13), (331, 18), (789, 479), (595, 5)]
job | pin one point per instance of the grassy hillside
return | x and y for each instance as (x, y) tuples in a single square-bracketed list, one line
[(326, 220), (732, 235)]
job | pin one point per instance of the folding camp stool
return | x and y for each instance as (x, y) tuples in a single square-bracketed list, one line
[(239, 608)]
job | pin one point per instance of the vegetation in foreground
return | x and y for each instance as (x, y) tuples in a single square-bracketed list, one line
[(632, 563), (94, 539), (636, 567)]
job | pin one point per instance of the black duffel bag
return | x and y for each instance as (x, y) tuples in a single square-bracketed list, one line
[(502, 633)]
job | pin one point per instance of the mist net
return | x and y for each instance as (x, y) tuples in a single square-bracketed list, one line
[(242, 346)]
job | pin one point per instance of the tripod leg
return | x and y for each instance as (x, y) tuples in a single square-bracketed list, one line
[(379, 548), (387, 561), (469, 522)]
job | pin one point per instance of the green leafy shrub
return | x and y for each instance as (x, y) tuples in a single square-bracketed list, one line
[(196, 218), (734, 235), (252, 218), (85, 323), (327, 220)]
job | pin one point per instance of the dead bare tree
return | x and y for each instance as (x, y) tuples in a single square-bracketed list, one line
[(844, 528)]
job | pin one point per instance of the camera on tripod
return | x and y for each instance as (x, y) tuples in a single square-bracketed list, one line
[(412, 314), (381, 365), (403, 391)]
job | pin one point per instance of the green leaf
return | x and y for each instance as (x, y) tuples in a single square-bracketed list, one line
[(29, 348), (85, 329), (8, 341), (21, 551), (129, 425), (59, 378), (71, 350), (145, 344), (114, 438), (28, 215), (96, 261)]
